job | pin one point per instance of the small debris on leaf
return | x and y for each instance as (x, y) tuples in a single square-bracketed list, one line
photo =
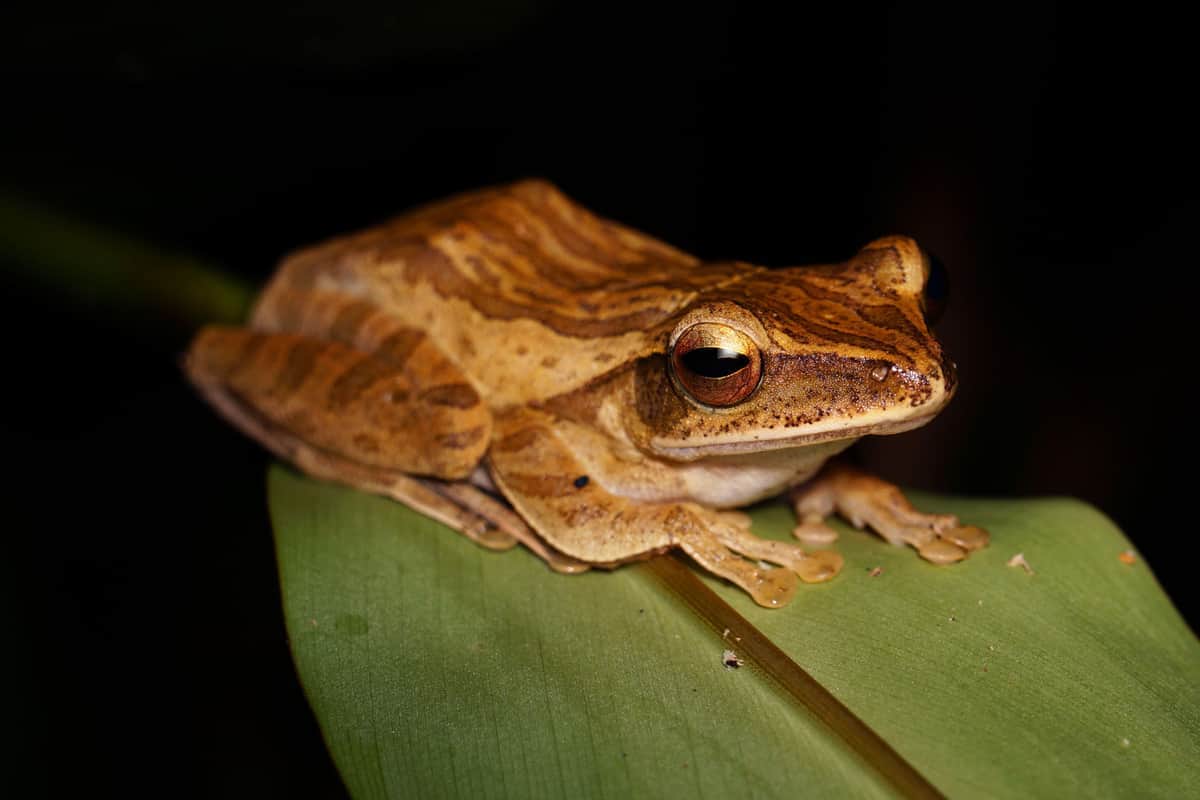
[(730, 660), (1128, 557), (1019, 561), (875, 572), (1125, 743)]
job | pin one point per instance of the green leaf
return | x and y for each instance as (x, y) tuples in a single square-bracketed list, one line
[(437, 668)]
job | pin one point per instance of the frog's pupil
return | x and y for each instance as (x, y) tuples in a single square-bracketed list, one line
[(714, 362)]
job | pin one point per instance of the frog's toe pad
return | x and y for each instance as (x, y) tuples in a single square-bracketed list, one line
[(819, 566), (953, 544), (968, 537), (772, 588), (493, 538), (812, 532), (939, 551)]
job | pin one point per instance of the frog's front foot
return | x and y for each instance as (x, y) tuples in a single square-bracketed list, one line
[(867, 501)]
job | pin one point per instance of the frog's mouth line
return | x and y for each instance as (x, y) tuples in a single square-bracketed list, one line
[(687, 451)]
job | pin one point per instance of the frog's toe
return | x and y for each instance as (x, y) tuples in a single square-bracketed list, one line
[(968, 537), (951, 544), (940, 551), (738, 519), (814, 532), (866, 501), (809, 566), (772, 588), (496, 539), (818, 566)]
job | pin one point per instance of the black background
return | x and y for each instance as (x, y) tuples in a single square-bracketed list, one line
[(1045, 153)]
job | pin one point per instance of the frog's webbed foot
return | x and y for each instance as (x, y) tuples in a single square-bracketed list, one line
[(772, 587), (867, 501), (816, 566)]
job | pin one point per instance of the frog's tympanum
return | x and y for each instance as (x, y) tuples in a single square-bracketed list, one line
[(524, 371)]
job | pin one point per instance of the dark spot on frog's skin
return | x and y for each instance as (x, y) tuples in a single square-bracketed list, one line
[(521, 350), (581, 481), (549, 362)]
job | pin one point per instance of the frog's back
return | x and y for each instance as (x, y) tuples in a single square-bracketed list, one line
[(528, 292)]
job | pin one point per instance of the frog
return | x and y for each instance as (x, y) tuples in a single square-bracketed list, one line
[(528, 372)]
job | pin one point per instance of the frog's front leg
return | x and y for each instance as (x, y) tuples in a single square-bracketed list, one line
[(867, 501), (540, 475)]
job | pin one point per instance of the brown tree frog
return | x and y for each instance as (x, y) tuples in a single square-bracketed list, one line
[(524, 371)]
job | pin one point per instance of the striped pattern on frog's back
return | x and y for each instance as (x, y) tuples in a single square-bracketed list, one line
[(528, 292)]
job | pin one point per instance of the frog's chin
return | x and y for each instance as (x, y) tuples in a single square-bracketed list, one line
[(780, 439)]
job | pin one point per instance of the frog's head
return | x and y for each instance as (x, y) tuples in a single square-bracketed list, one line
[(792, 357)]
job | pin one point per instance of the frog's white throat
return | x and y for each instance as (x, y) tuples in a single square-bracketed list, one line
[(737, 480)]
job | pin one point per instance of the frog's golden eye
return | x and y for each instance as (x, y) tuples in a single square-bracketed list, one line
[(716, 364)]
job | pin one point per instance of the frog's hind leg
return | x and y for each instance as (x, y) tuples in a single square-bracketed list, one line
[(421, 494), (369, 420), (403, 407), (472, 512), (867, 501)]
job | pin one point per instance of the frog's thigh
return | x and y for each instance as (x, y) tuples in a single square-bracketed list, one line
[(407, 408), (543, 480), (459, 505), (867, 501)]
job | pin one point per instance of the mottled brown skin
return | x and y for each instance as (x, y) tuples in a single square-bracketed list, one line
[(509, 340)]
